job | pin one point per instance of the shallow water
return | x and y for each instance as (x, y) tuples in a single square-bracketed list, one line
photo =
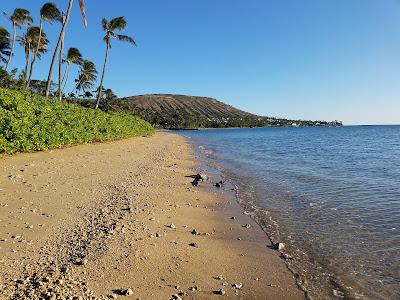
[(331, 194)]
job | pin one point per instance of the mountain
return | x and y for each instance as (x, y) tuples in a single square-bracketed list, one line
[(190, 112)]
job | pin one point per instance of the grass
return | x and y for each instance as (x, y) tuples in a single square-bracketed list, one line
[(30, 122)]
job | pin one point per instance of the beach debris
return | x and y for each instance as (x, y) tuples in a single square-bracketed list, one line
[(237, 285), (194, 245), (246, 226), (195, 232), (128, 292), (197, 178), (220, 292)]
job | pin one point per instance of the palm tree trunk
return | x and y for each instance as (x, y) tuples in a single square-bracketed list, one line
[(12, 45), (65, 78), (36, 53), (53, 60), (60, 64), (27, 52), (102, 77)]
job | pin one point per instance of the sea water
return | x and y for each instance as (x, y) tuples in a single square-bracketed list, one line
[(330, 194)]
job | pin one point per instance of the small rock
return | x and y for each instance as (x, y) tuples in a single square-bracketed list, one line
[(128, 292), (220, 292), (176, 297), (172, 226), (237, 285), (194, 245), (195, 232), (233, 218), (280, 246), (247, 226)]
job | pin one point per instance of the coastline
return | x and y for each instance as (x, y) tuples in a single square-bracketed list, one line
[(97, 220)]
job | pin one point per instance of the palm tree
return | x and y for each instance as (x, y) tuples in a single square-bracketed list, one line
[(5, 45), (60, 38), (60, 61), (31, 44), (48, 13), (73, 57), (19, 18), (87, 76), (110, 27)]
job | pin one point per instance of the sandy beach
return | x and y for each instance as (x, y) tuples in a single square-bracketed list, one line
[(122, 220)]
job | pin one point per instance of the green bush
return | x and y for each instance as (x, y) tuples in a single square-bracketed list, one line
[(29, 122)]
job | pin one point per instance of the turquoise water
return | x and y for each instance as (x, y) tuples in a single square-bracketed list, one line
[(331, 194)]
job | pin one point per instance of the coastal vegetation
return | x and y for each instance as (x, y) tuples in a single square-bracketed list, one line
[(30, 122), (36, 114)]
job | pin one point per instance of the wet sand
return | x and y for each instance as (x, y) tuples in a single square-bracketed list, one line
[(99, 221)]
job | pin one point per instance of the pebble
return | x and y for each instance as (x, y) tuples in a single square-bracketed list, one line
[(195, 232), (172, 226), (247, 226), (194, 245)]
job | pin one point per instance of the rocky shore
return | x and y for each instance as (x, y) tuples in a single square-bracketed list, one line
[(123, 220)]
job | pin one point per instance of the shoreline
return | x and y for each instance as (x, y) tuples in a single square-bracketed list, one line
[(107, 219)]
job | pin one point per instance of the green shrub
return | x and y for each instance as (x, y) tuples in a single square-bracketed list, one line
[(30, 122)]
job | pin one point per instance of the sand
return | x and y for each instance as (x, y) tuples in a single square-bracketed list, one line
[(101, 220)]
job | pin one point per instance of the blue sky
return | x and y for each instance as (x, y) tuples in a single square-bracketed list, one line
[(307, 59)]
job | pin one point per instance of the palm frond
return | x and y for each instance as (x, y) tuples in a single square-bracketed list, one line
[(118, 23), (126, 38), (21, 17), (104, 24), (5, 44), (49, 12), (74, 56)]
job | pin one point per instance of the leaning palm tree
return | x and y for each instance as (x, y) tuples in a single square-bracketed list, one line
[(48, 13), (110, 27), (60, 39), (73, 57), (31, 44), (5, 44), (87, 76), (19, 18)]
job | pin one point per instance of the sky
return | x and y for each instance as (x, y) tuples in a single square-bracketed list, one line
[(297, 59)]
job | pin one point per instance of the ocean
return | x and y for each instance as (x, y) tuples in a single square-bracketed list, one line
[(330, 194)]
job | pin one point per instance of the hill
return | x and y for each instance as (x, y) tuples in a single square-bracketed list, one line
[(190, 112)]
